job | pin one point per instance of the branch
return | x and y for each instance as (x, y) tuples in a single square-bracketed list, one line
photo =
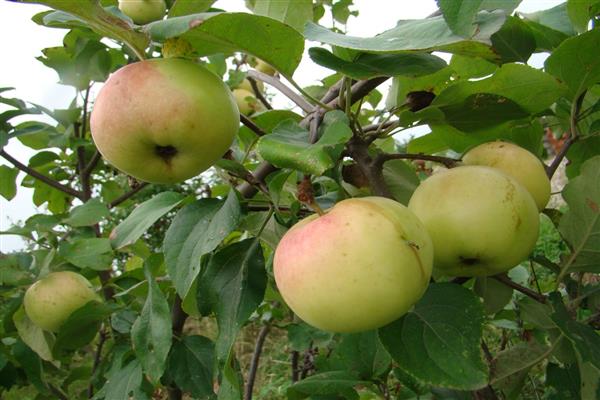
[(259, 94), (178, 317), (97, 358), (92, 164), (251, 125), (43, 178), (262, 335), (370, 167), (448, 162), (526, 291), (127, 195), (277, 84)]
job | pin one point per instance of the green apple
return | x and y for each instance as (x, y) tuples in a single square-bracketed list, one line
[(360, 266), (264, 68), (143, 11), (246, 85), (246, 101), (49, 301), (517, 162), (481, 220), (164, 120)]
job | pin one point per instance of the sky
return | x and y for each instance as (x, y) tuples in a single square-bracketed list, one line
[(22, 41)]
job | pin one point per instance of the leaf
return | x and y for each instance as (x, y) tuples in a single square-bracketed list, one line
[(142, 218), (33, 336), (8, 184), (289, 147), (580, 12), (367, 65), (294, 13), (580, 225), (430, 34), (94, 253), (564, 383), (574, 62), (126, 383), (151, 332), (581, 151), (101, 21), (90, 213), (190, 365), (459, 15), (186, 7), (495, 294), (270, 40), (340, 383), (401, 179), (31, 364), (438, 343), (555, 18), (471, 67), (536, 314), (81, 327), (195, 231), (515, 41), (234, 284), (361, 354)]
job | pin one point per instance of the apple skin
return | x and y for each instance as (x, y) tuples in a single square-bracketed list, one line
[(49, 301), (164, 120), (358, 267), (246, 85), (246, 101), (265, 68), (143, 11), (517, 162), (481, 220)]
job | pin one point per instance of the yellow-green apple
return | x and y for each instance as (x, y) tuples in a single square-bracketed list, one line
[(51, 300), (143, 11), (164, 120), (517, 162), (481, 220), (360, 266), (246, 101), (264, 67), (246, 85)]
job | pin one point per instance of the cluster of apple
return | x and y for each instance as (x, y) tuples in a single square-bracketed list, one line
[(368, 260)]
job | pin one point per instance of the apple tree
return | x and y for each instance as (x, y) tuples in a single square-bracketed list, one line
[(211, 229)]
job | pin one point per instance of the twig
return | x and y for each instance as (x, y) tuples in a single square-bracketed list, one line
[(526, 291), (295, 369), (43, 178), (277, 84), (92, 164), (97, 358), (370, 167), (57, 392), (259, 94), (260, 341), (178, 317), (127, 195), (251, 125), (546, 263), (448, 162)]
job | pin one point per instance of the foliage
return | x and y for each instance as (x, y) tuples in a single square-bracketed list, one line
[(186, 270)]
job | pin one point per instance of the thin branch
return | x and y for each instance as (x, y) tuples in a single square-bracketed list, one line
[(43, 178), (277, 84), (526, 291), (259, 95), (97, 358), (370, 167), (251, 125), (260, 341), (178, 317), (448, 162), (127, 195), (295, 368), (92, 164)]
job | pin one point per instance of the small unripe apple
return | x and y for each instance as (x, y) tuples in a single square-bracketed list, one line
[(360, 266), (164, 120), (246, 101), (246, 85), (143, 11), (517, 162), (51, 300), (264, 68), (481, 220)]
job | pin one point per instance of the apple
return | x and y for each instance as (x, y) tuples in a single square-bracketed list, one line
[(164, 120), (246, 101), (517, 162), (246, 85), (264, 67), (143, 11), (360, 266), (49, 301), (481, 220)]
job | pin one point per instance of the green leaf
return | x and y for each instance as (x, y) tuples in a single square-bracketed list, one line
[(289, 147), (555, 18), (197, 230), (142, 218), (515, 41), (90, 213), (438, 343), (367, 65), (495, 294), (151, 332), (574, 62), (101, 21), (33, 336), (187, 7), (459, 15), (126, 383), (190, 365), (430, 34), (361, 354), (339, 383), (294, 13), (580, 12), (234, 284), (31, 364), (563, 383), (81, 327), (581, 151), (8, 184), (401, 179), (471, 67), (94, 253), (580, 225), (270, 40), (536, 314), (507, 5)]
